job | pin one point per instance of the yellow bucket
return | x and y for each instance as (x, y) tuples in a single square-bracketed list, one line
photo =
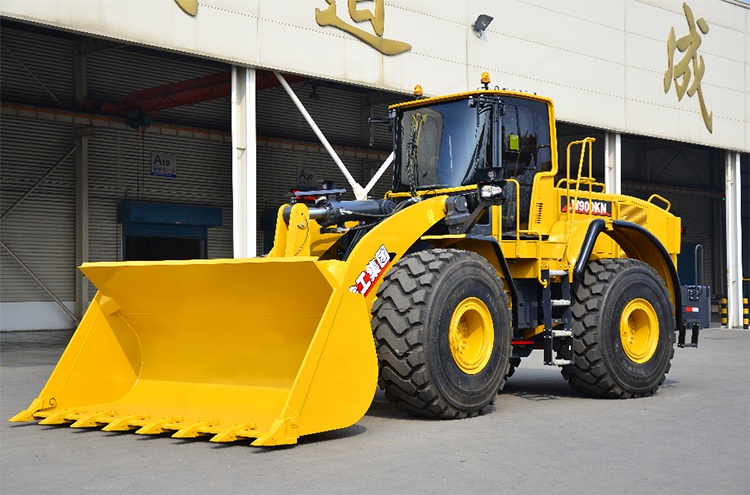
[(270, 349)]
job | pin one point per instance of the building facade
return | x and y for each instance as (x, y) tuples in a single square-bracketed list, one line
[(153, 129)]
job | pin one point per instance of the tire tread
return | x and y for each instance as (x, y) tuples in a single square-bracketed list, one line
[(589, 374), (399, 315)]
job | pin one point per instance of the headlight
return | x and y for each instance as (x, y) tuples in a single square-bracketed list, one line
[(490, 191)]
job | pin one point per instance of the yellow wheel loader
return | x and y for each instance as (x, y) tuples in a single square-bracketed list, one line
[(484, 250)]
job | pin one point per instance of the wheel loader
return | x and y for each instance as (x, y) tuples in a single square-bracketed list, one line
[(486, 248)]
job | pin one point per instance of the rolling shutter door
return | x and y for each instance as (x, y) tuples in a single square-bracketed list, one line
[(117, 173), (685, 177), (41, 230)]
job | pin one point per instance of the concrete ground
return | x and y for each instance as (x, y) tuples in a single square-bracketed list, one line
[(693, 436)]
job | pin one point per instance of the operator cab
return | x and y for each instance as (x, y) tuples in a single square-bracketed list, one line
[(460, 141)]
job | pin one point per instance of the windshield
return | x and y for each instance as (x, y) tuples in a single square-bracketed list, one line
[(442, 146)]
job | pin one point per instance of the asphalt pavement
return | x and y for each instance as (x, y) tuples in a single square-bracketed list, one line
[(693, 436)]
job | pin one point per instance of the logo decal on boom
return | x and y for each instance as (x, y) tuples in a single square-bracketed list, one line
[(373, 271)]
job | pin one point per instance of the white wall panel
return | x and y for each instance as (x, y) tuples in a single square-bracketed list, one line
[(553, 28), (450, 10), (437, 38), (608, 13), (579, 53), (224, 33), (436, 76)]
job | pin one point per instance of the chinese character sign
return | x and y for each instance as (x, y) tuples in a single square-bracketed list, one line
[(688, 45), (329, 17), (190, 7)]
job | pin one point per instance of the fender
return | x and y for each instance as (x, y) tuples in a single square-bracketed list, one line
[(640, 244)]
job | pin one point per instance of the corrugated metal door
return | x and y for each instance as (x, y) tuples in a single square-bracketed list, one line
[(119, 170), (685, 176), (41, 230)]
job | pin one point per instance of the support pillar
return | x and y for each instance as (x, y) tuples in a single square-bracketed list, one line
[(612, 162), (244, 172), (733, 202)]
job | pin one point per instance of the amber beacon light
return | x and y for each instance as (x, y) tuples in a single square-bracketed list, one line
[(485, 79)]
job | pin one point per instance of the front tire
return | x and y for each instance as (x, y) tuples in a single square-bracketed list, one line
[(443, 336), (623, 327)]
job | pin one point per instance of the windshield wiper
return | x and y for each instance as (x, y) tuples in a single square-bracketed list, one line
[(412, 151)]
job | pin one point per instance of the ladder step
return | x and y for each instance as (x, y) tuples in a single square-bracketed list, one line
[(560, 302), (562, 333), (558, 273), (561, 362)]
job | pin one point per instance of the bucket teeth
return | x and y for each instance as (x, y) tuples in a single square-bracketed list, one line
[(64, 416), (30, 414), (231, 434), (158, 426), (194, 430), (126, 423), (94, 420)]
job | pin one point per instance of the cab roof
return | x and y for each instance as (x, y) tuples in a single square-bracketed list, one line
[(459, 96)]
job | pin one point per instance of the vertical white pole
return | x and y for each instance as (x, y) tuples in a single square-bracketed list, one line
[(244, 163), (733, 202), (251, 164), (612, 163)]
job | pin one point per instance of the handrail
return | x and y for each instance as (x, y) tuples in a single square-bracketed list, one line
[(669, 205), (578, 181), (584, 181), (530, 232)]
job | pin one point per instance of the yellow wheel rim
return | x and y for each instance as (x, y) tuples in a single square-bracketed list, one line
[(639, 330), (471, 335)]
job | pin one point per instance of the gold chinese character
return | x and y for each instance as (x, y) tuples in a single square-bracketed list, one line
[(688, 45), (385, 46), (190, 7)]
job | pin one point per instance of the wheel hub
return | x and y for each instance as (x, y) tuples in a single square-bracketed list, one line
[(471, 335), (639, 330)]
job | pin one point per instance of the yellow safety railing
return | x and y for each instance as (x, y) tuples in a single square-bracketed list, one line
[(529, 232), (578, 182), (669, 205)]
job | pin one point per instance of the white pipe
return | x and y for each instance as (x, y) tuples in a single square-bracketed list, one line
[(380, 172), (733, 195), (357, 189)]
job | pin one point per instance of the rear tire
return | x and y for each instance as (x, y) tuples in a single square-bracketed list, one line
[(442, 331), (623, 327)]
